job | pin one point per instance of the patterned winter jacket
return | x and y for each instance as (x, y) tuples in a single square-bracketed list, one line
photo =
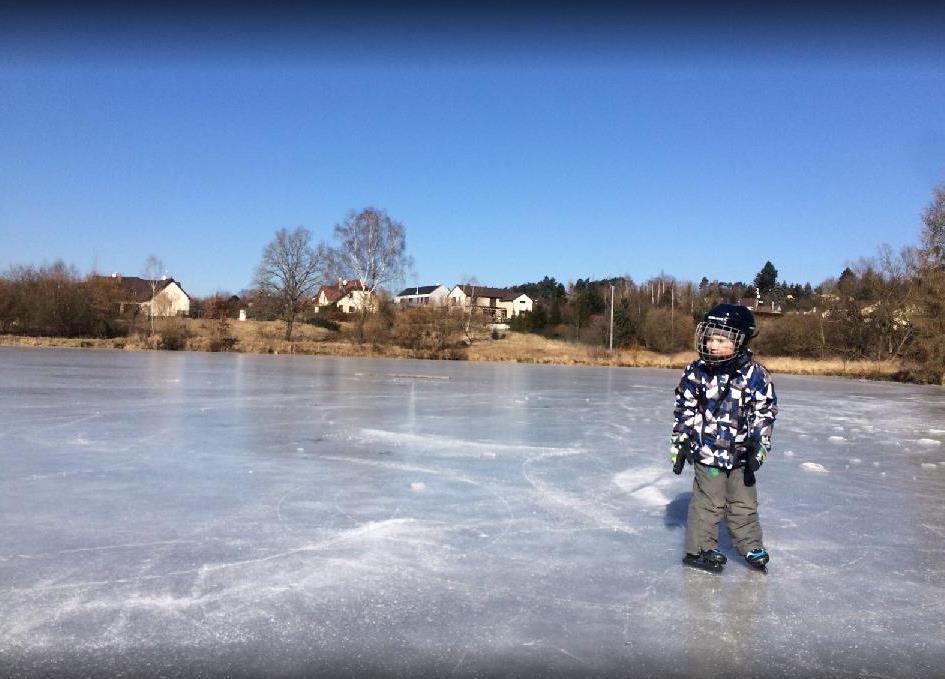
[(717, 410)]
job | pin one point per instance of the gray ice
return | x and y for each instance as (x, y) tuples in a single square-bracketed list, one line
[(208, 515)]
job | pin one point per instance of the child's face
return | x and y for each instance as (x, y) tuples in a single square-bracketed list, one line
[(719, 345)]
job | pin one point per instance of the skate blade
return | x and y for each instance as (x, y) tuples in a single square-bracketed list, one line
[(703, 567)]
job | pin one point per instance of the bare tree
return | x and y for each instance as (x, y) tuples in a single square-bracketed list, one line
[(929, 291), (470, 310), (290, 271)]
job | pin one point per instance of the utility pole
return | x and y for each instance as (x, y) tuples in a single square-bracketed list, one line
[(672, 311), (611, 317)]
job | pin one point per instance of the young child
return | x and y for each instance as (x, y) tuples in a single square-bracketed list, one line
[(725, 411)]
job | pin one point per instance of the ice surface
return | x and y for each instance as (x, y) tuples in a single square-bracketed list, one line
[(209, 515)]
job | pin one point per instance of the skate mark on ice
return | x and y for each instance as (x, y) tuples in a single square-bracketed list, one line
[(442, 473), (130, 545), (643, 485), (371, 530), (446, 445), (588, 508)]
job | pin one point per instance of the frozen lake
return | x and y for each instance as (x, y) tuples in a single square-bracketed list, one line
[(212, 515)]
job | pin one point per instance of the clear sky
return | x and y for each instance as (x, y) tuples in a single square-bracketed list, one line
[(512, 144)]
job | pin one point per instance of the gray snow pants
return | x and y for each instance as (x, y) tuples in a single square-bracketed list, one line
[(724, 495)]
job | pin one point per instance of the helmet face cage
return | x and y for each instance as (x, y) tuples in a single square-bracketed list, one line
[(708, 329)]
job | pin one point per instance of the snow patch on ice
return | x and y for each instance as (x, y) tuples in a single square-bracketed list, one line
[(418, 486), (937, 431), (632, 479), (929, 465), (651, 496), (855, 460), (836, 439), (447, 445), (788, 453), (642, 484), (929, 442), (813, 467)]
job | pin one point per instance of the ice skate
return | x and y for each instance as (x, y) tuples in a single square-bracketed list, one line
[(711, 560), (758, 559)]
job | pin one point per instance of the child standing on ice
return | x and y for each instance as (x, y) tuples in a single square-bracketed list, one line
[(725, 411)]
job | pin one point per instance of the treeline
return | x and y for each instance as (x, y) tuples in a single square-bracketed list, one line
[(55, 300), (863, 314), (891, 306)]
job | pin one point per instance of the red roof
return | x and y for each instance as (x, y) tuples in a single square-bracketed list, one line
[(335, 292)]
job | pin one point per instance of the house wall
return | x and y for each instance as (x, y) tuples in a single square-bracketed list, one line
[(356, 300), (438, 297), (457, 297), (171, 301), (521, 304)]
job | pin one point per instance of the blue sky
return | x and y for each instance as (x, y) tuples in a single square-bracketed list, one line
[(574, 144)]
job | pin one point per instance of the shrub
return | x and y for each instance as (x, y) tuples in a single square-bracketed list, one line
[(431, 331), (801, 335), (326, 323), (173, 336), (667, 332)]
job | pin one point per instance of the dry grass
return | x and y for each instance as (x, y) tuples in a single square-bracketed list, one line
[(528, 348), (834, 366), (267, 337)]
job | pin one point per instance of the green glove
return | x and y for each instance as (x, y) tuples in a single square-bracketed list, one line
[(757, 456), (679, 446)]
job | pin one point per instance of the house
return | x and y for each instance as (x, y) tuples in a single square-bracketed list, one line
[(159, 298), (899, 316), (500, 303), (424, 295), (759, 307), (348, 296)]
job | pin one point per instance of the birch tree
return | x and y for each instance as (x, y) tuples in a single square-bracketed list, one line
[(372, 248), (152, 273)]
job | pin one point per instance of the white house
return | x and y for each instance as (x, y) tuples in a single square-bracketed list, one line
[(159, 298), (349, 296), (357, 300), (518, 305), (500, 303), (423, 295)]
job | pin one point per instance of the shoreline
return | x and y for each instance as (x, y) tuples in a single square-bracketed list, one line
[(515, 348)]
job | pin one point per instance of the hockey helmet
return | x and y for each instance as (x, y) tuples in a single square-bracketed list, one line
[(731, 322)]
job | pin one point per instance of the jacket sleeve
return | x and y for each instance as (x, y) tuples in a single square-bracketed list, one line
[(687, 405), (764, 405)]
